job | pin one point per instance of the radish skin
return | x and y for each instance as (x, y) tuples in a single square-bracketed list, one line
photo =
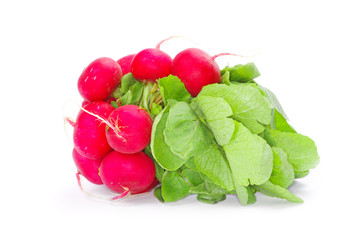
[(151, 64), (132, 173), (99, 79), (133, 129), (125, 63), (89, 168), (196, 69), (89, 130)]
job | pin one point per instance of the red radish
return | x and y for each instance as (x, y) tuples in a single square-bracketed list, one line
[(153, 184), (84, 103), (99, 79), (89, 168), (133, 125), (127, 173), (125, 63), (151, 64), (89, 130), (196, 69)]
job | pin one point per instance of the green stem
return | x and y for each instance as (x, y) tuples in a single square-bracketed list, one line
[(146, 96)]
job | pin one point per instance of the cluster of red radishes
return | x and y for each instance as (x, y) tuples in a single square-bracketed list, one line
[(109, 142)]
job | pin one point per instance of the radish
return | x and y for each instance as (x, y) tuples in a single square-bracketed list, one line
[(196, 69), (84, 103), (133, 129), (89, 168), (127, 173), (125, 63), (89, 130), (151, 64), (99, 79), (152, 185)]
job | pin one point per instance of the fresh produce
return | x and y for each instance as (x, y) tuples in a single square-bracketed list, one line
[(127, 173), (89, 131), (191, 128), (87, 167), (151, 64), (133, 125), (125, 63), (196, 69), (99, 79)]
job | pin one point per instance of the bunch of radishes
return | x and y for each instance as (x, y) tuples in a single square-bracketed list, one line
[(109, 138)]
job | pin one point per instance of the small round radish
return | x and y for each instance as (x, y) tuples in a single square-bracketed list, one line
[(151, 64), (196, 69), (89, 130), (131, 173), (125, 63), (133, 125), (89, 168), (149, 188), (99, 79)]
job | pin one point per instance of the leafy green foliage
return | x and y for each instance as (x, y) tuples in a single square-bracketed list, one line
[(300, 174), (243, 73), (216, 112), (160, 150), (133, 95), (273, 100), (213, 164), (184, 133), (248, 105), (245, 194), (114, 104), (283, 172), (171, 87), (279, 122), (273, 190), (249, 156), (174, 186), (158, 194), (301, 150), (233, 138)]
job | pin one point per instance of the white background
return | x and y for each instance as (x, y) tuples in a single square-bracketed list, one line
[(305, 51)]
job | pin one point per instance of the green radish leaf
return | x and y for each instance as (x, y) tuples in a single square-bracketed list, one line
[(213, 164), (171, 87), (158, 194), (248, 105), (249, 156), (160, 150), (158, 168), (156, 109), (208, 192), (301, 150), (278, 122), (216, 112), (184, 133), (244, 73), (192, 177), (245, 195), (300, 174), (273, 100), (174, 186), (225, 78), (273, 190), (126, 82), (114, 104), (283, 172), (133, 95), (191, 165), (210, 199)]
